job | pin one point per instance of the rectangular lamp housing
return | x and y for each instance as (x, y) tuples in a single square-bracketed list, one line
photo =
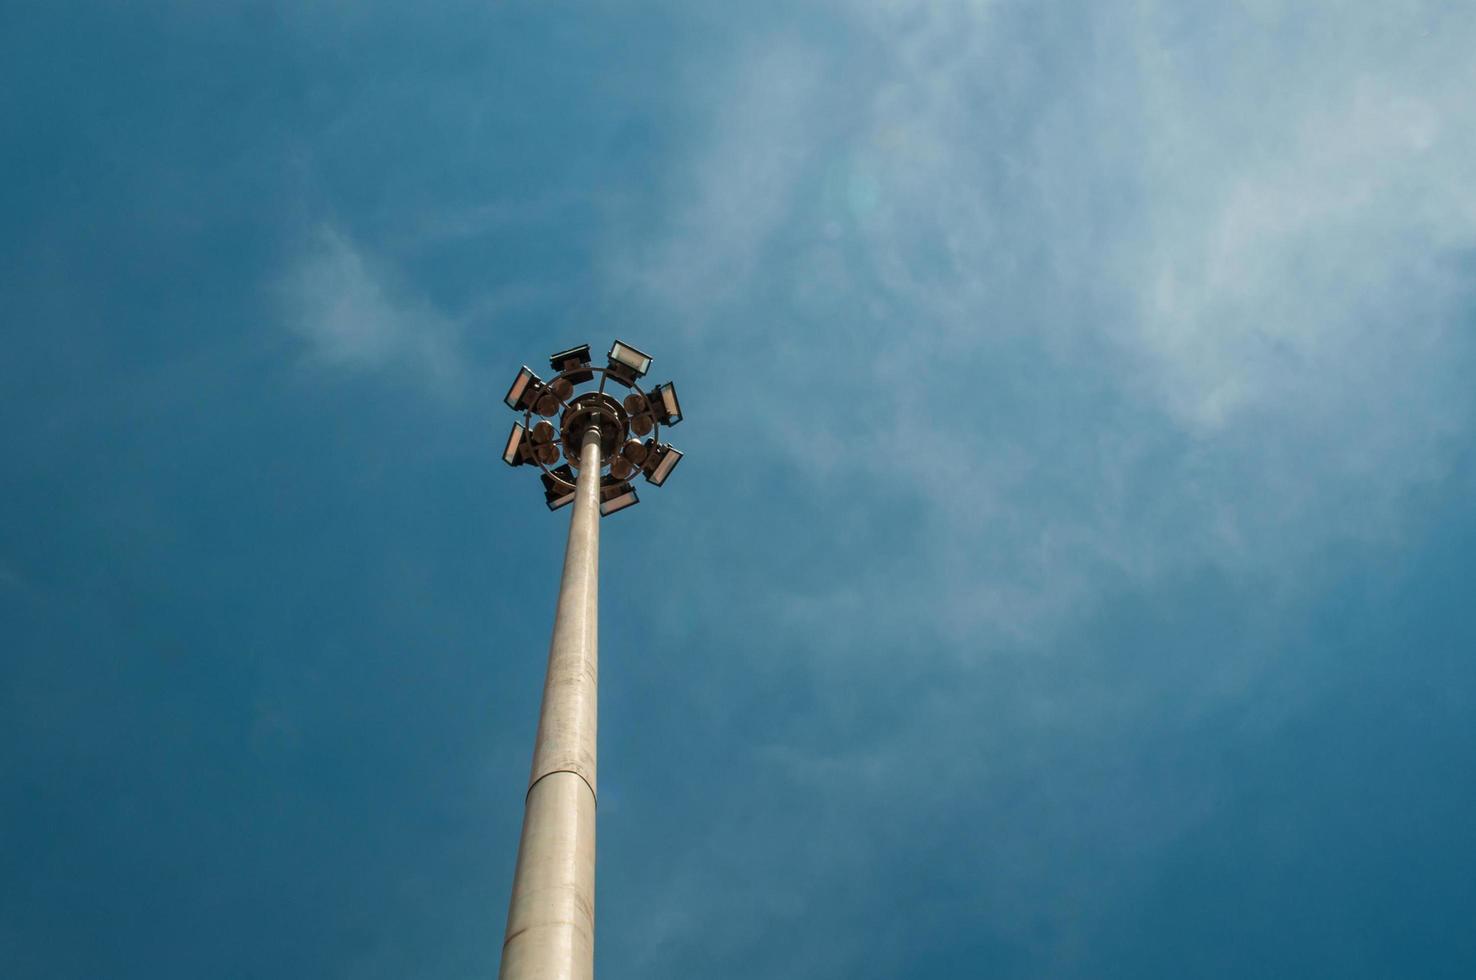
[(624, 496), (659, 464), (524, 390), (517, 453), (665, 405), (627, 363), (555, 494), (574, 357)]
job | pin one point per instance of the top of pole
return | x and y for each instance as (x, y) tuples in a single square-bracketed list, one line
[(628, 429)]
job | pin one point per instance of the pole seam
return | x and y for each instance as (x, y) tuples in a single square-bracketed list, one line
[(576, 772)]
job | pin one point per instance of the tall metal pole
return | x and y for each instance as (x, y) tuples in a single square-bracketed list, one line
[(550, 918)]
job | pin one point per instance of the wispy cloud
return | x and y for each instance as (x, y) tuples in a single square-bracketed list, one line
[(1094, 310), (1216, 289), (341, 303), (722, 208)]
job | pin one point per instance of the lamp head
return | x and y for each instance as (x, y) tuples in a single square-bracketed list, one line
[(567, 360), (627, 364), (664, 404), (525, 391), (517, 452), (660, 461), (555, 493), (616, 495)]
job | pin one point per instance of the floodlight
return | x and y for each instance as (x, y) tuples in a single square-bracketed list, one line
[(524, 390), (627, 363), (557, 495), (616, 495), (557, 416), (517, 451), (574, 357), (661, 461), (665, 405)]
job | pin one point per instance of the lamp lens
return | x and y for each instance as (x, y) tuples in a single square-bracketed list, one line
[(514, 443), (519, 386), (630, 357), (621, 502), (663, 469)]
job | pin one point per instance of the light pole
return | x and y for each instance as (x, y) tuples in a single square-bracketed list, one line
[(550, 917)]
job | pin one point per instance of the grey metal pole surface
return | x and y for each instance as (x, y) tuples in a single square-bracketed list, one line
[(550, 917)]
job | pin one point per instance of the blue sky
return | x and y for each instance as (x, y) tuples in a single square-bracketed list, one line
[(1069, 575)]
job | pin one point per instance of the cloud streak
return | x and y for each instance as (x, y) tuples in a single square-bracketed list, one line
[(1099, 312), (1254, 253), (336, 300)]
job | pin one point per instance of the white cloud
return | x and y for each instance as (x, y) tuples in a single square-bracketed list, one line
[(726, 204), (337, 300), (1144, 298), (1243, 234)]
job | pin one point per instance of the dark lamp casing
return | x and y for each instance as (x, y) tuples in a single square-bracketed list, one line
[(665, 405), (574, 357), (524, 391), (616, 495), (516, 452), (659, 464), (554, 495), (627, 364)]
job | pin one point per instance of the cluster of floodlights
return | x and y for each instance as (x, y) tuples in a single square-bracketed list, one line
[(630, 429)]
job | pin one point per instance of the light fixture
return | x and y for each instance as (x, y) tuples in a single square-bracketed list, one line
[(661, 461), (557, 495), (665, 405), (616, 495), (627, 363), (555, 421), (574, 357), (517, 452), (524, 391)]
